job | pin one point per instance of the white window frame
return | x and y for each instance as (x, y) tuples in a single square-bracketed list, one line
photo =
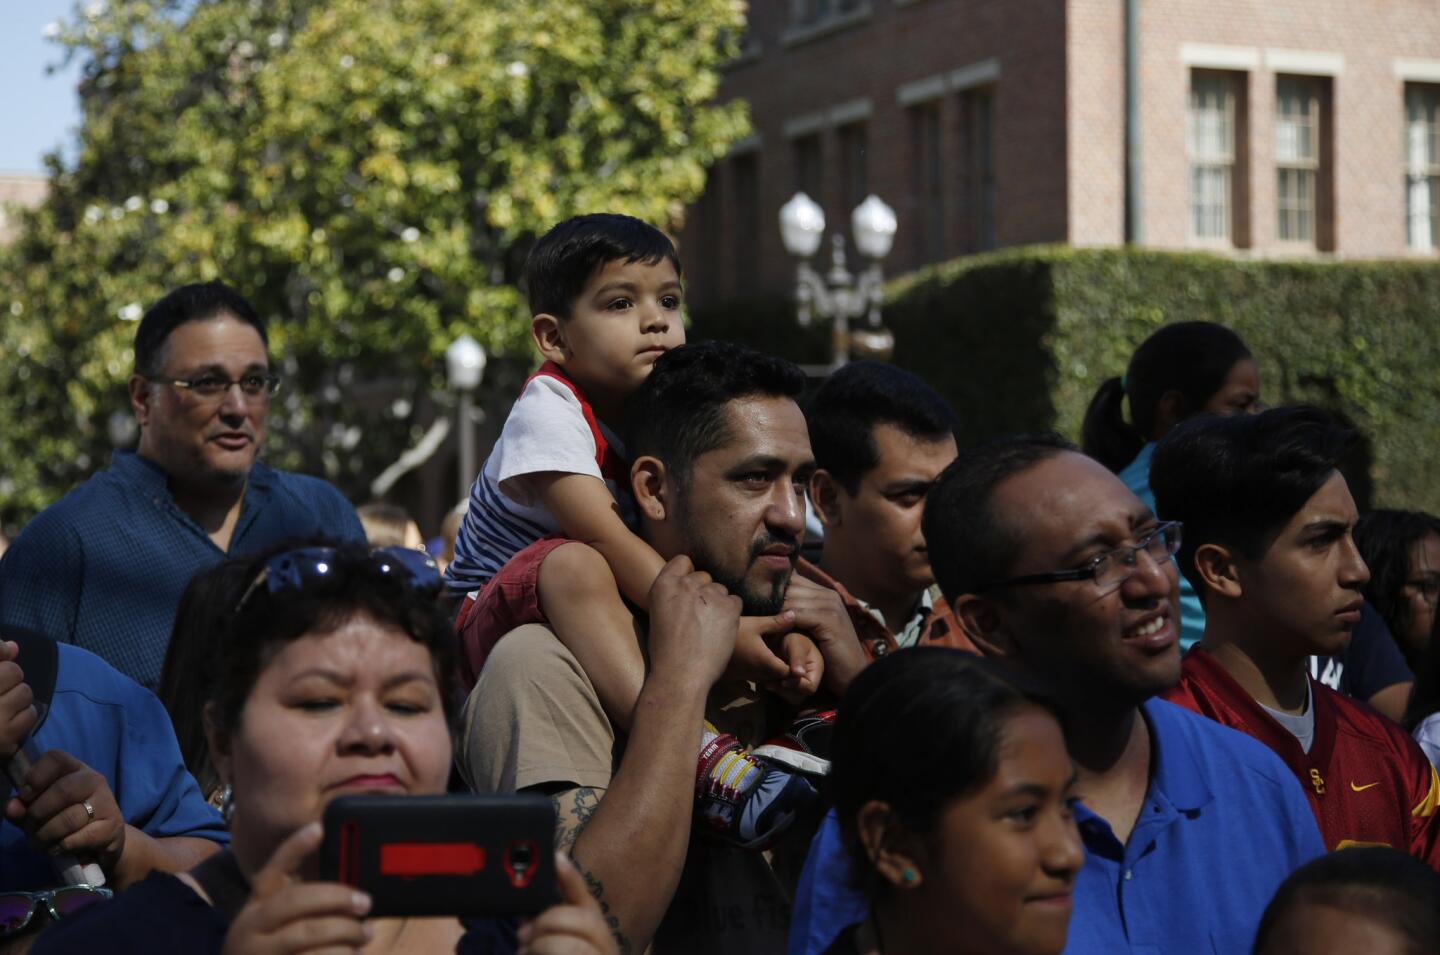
[(1212, 155), (1422, 166), (1297, 161)]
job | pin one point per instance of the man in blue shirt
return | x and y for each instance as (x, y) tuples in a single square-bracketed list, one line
[(1054, 567), (109, 780), (104, 566)]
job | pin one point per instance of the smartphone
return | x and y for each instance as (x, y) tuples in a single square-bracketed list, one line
[(457, 855)]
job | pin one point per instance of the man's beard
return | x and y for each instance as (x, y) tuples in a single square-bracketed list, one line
[(753, 602)]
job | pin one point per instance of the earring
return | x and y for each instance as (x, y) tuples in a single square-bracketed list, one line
[(227, 804), (909, 876)]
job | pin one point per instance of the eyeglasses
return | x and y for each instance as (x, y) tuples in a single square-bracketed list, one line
[(1112, 568), (18, 909), (213, 387), (305, 567)]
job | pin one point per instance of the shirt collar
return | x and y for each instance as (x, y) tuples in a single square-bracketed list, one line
[(1175, 775), (151, 479), (909, 635)]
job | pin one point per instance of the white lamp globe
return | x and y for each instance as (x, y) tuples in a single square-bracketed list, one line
[(464, 363), (873, 226), (802, 224)]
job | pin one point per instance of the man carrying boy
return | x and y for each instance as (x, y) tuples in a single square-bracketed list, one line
[(1055, 568), (1268, 546), (722, 457), (548, 538), (881, 435)]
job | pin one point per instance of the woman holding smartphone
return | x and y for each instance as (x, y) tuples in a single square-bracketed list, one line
[(332, 677)]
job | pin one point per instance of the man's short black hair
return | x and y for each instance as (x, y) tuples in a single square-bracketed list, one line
[(680, 409), (1236, 481), (567, 256), (843, 413), (188, 303), (969, 543)]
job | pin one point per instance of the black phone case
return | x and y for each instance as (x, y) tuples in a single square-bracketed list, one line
[(443, 855)]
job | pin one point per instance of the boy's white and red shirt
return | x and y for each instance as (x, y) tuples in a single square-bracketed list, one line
[(551, 428)]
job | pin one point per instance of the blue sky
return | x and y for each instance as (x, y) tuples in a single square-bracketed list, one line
[(38, 112)]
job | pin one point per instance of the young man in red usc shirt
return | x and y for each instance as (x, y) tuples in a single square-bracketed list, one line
[(1267, 544)]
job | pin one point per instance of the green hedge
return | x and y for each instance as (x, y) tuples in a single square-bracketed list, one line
[(1020, 339)]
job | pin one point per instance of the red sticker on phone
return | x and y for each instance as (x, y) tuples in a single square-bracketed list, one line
[(408, 859)]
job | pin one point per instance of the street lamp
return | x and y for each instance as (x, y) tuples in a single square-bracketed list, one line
[(838, 295), (464, 366)]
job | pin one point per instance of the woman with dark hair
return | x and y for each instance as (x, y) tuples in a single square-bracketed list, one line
[(1370, 899), (332, 676), (1181, 370), (1402, 550), (953, 789), (204, 607)]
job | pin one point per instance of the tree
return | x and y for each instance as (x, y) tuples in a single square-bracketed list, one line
[(369, 174)]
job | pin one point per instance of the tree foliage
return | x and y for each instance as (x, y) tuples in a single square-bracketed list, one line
[(369, 173)]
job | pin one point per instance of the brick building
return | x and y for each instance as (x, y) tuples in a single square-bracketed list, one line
[(1264, 127), (19, 190)]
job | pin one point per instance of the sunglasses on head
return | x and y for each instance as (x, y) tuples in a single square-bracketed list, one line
[(18, 909), (308, 566)]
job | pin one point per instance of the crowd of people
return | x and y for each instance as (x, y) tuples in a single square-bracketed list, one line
[(795, 672)]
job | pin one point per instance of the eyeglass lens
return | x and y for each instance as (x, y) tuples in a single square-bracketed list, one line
[(67, 902), (1119, 565), (15, 911)]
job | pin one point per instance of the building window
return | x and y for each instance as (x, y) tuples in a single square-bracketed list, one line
[(745, 180), (1422, 165), (929, 182), (1297, 159), (854, 143), (805, 13), (1213, 135), (810, 167), (977, 111)]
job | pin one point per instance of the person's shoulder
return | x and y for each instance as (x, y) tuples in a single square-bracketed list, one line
[(89, 501), (547, 394), (80, 671), (1217, 750), (1370, 730), (157, 916)]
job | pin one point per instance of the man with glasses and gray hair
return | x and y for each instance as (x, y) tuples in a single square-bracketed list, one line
[(1055, 568), (104, 567)]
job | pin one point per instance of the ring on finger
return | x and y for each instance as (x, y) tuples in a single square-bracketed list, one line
[(89, 810)]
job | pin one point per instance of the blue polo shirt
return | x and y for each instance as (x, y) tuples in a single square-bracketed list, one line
[(120, 730), (1224, 822), (104, 567)]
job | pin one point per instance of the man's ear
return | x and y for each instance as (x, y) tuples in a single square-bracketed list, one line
[(218, 742), (824, 495), (894, 852), (1218, 570), (140, 398), (650, 483), (981, 620), (549, 337)]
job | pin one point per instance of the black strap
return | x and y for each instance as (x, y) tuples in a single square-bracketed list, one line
[(40, 659), (222, 880)]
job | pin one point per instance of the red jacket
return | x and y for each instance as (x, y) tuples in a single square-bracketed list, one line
[(1367, 780)]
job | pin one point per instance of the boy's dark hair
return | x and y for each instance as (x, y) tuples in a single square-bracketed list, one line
[(969, 543), (1193, 358), (1369, 882), (917, 730), (1235, 481), (567, 256), (843, 413), (682, 402), (188, 303), (254, 631), (1385, 539)]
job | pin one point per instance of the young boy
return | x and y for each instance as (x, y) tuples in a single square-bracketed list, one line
[(548, 537), (1267, 544)]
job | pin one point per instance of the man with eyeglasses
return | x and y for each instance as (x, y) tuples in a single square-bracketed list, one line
[(1054, 567), (1273, 558), (104, 567)]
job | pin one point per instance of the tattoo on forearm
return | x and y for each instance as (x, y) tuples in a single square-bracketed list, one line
[(597, 889), (573, 810)]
